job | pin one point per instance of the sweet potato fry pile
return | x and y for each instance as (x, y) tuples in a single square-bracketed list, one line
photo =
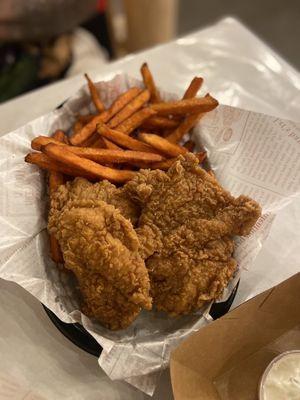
[(55, 180), (138, 130)]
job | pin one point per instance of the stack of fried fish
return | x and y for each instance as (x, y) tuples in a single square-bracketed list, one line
[(164, 240)]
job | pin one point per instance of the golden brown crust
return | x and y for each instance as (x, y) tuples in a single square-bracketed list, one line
[(184, 226), (101, 247), (186, 231), (104, 190)]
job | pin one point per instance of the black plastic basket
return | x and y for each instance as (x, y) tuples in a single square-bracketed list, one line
[(81, 338)]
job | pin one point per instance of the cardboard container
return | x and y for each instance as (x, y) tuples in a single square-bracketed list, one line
[(226, 359)]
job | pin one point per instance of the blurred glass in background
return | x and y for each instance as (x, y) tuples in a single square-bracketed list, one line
[(42, 41)]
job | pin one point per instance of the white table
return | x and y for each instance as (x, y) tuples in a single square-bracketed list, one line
[(239, 70)]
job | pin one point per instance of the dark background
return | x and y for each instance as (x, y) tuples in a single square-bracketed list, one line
[(277, 22)]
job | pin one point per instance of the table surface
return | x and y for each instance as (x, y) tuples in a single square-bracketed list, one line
[(37, 362)]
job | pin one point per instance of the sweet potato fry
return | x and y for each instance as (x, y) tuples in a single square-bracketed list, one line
[(86, 132), (186, 125), (166, 132), (166, 164), (133, 122), (98, 144), (114, 156), (189, 145), (38, 142), (55, 252), (55, 180), (77, 126), (87, 166), (193, 88), (122, 100), (60, 136), (149, 84), (105, 116), (124, 140), (90, 141), (107, 144), (159, 123), (133, 106), (45, 162), (94, 94), (110, 145), (163, 165), (85, 118), (162, 145), (187, 106)]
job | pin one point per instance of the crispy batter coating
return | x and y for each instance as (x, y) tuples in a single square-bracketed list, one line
[(179, 223), (101, 247), (186, 230), (81, 188)]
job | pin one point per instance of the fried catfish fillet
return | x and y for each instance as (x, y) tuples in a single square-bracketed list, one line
[(101, 247), (186, 230)]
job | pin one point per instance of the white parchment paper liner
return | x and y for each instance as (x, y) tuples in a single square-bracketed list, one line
[(251, 153)]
